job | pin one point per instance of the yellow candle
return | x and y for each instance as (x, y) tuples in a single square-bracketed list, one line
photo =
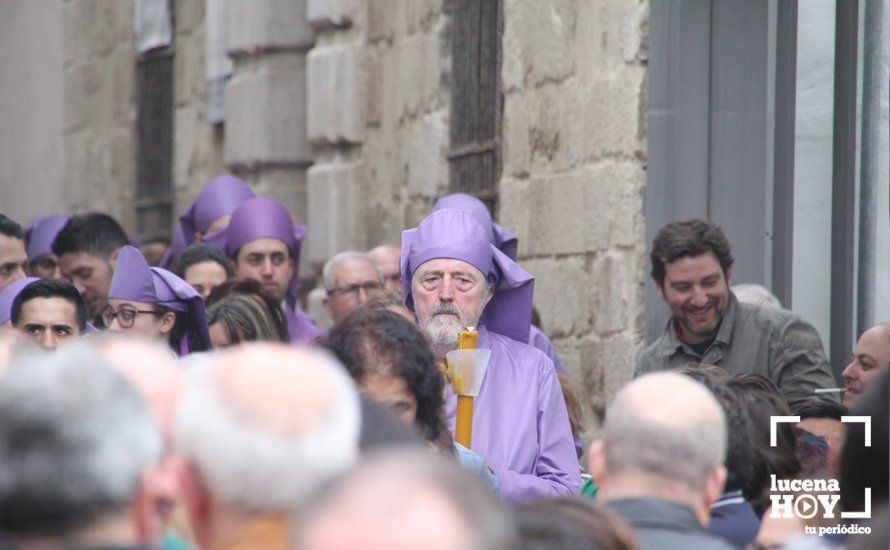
[(463, 430)]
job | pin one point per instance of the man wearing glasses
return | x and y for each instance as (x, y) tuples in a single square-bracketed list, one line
[(350, 279)]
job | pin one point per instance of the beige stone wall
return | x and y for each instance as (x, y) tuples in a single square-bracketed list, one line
[(378, 120), (99, 128), (574, 81), (197, 145)]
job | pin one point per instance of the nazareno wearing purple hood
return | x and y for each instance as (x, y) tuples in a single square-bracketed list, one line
[(39, 236), (453, 277), (507, 243), (205, 219), (264, 243), (155, 303)]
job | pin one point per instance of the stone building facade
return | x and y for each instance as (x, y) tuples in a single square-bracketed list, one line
[(342, 110)]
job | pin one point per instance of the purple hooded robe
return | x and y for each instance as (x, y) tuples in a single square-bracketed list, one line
[(8, 294), (520, 425), (507, 243), (133, 279), (40, 234), (265, 218), (219, 196)]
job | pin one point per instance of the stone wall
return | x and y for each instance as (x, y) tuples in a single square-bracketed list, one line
[(197, 144), (574, 81), (378, 120), (99, 129)]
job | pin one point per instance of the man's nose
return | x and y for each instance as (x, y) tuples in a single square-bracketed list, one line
[(849, 371), (49, 340), (266, 269), (446, 289), (699, 297)]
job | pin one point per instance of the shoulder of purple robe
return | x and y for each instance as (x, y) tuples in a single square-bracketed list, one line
[(556, 470), (301, 327), (538, 339)]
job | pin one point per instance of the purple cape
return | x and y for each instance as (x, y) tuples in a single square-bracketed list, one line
[(454, 234), (505, 241), (40, 234), (133, 279), (265, 218), (8, 294), (177, 245), (520, 423)]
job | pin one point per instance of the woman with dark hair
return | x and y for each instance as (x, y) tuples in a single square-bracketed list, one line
[(154, 302), (391, 360), (204, 267), (252, 287)]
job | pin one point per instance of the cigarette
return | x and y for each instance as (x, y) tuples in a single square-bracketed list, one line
[(830, 390)]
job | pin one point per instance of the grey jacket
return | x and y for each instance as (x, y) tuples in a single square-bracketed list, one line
[(665, 525), (769, 341)]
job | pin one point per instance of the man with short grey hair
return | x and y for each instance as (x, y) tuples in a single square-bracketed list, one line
[(350, 280), (660, 461), (75, 442), (263, 427)]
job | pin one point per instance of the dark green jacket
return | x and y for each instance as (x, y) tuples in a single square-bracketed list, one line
[(769, 341)]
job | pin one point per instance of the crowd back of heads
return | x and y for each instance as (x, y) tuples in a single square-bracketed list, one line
[(96, 438), (571, 523), (51, 288), (377, 342), (653, 420), (97, 234), (11, 228), (688, 238), (467, 514), (267, 398)]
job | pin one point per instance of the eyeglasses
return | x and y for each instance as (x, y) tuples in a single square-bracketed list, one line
[(370, 287), (125, 317)]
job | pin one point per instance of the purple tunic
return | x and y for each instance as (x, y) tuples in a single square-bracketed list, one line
[(526, 442)]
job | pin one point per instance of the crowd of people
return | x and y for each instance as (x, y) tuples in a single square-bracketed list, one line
[(181, 397)]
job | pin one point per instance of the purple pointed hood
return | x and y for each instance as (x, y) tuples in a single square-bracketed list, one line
[(40, 234), (8, 294), (449, 233), (133, 279), (219, 196), (505, 241), (263, 218)]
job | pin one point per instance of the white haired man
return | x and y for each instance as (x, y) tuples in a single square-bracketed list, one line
[(75, 443), (263, 427), (660, 462), (350, 280)]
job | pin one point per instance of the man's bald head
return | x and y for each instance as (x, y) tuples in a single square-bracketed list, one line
[(665, 425), (387, 257), (405, 500), (290, 415)]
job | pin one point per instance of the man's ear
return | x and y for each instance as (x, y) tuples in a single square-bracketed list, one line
[(728, 275), (112, 258), (714, 485), (326, 303), (660, 287), (597, 461), (168, 320)]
